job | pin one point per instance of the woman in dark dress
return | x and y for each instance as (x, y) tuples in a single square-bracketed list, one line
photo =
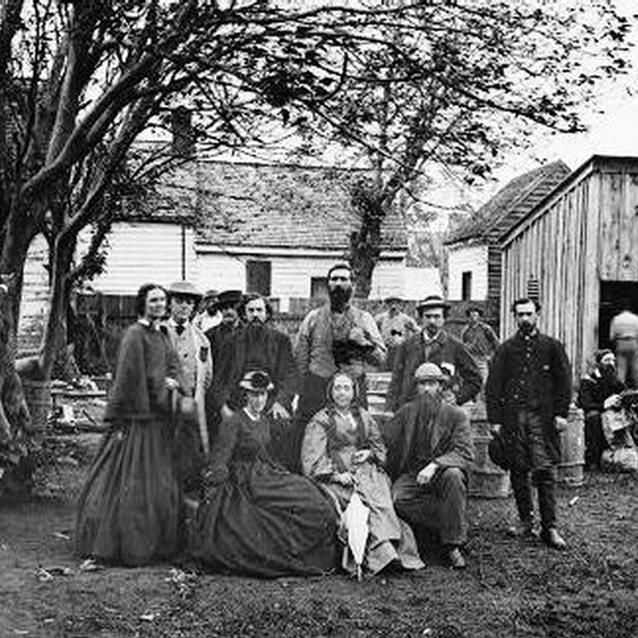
[(129, 507), (258, 518)]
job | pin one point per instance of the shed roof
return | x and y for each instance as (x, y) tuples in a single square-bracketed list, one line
[(262, 205), (511, 204), (605, 163), (283, 206)]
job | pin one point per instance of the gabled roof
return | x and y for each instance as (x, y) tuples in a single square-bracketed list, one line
[(280, 206), (511, 204)]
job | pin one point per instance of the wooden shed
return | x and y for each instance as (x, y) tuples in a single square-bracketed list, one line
[(473, 249), (576, 250)]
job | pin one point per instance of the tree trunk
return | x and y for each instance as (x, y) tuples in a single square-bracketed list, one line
[(365, 243)]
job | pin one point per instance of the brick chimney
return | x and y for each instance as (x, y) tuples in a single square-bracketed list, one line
[(182, 131)]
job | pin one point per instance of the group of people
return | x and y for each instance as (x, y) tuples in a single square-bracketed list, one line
[(278, 440)]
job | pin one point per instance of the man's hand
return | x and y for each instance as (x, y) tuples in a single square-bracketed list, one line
[(279, 412), (361, 456), (495, 428), (358, 335), (427, 473), (226, 412), (560, 422), (171, 384), (343, 478)]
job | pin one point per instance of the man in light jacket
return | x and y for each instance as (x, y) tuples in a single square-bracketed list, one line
[(193, 350)]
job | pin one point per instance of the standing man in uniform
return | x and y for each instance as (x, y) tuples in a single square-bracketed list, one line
[(337, 336), (193, 350), (623, 334), (433, 344), (479, 339), (528, 393), (395, 327)]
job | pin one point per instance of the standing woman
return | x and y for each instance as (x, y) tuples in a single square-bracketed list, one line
[(257, 517), (129, 507), (343, 450)]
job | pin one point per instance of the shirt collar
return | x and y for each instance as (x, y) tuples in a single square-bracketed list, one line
[(439, 336), (145, 322)]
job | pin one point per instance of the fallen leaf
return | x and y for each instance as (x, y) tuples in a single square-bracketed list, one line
[(89, 565), (62, 536), (148, 617)]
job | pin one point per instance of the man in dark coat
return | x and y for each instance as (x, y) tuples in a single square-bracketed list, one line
[(228, 303), (528, 393), (599, 390), (434, 345), (256, 346), (430, 451)]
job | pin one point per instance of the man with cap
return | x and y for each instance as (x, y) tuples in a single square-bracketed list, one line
[(193, 350), (599, 390), (430, 452), (395, 327), (337, 336), (527, 396), (228, 303), (209, 315), (432, 344), (623, 334), (479, 339)]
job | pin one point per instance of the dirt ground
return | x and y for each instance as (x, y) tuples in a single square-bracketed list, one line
[(511, 588)]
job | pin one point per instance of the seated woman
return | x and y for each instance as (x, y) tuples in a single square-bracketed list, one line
[(256, 517), (344, 451)]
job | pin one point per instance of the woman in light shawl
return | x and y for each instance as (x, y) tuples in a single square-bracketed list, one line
[(344, 452)]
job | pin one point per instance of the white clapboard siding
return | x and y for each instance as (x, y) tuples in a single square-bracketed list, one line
[(140, 252), (467, 259), (290, 274)]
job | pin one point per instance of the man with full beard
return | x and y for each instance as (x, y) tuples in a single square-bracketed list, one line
[(599, 390), (256, 346), (336, 337)]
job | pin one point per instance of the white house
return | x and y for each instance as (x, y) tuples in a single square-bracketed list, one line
[(268, 228)]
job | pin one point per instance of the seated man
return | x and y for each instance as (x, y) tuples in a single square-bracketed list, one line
[(429, 453), (598, 391)]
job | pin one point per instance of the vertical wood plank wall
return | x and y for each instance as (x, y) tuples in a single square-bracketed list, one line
[(585, 234)]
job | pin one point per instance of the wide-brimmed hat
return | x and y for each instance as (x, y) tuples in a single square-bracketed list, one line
[(257, 381), (497, 451), (430, 372), (229, 298), (184, 289), (391, 298), (474, 309), (211, 294), (433, 301)]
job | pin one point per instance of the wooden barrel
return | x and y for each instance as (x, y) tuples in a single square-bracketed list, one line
[(571, 469), (486, 479), (377, 384), (38, 397)]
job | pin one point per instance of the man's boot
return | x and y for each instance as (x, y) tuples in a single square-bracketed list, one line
[(523, 496), (547, 508), (553, 539)]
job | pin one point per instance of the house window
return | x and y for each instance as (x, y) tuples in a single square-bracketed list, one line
[(466, 285), (258, 277), (319, 287)]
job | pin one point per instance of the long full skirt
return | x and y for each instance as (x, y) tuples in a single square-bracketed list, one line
[(130, 505), (266, 521), (390, 539)]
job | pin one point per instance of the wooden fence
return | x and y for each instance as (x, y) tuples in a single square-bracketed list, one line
[(101, 319)]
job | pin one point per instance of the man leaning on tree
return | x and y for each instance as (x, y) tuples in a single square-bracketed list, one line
[(528, 393)]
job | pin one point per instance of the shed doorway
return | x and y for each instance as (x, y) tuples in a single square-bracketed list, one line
[(613, 294)]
